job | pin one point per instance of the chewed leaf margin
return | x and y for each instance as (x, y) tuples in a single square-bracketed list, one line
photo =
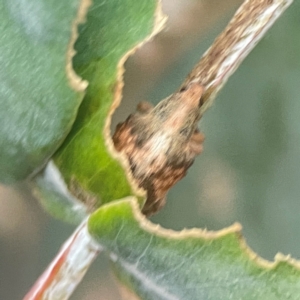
[(157, 263), (87, 159), (39, 91)]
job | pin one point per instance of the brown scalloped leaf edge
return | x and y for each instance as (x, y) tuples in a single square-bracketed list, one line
[(75, 81), (160, 20), (235, 228)]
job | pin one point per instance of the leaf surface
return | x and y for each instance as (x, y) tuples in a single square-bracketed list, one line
[(39, 92), (192, 264), (112, 31)]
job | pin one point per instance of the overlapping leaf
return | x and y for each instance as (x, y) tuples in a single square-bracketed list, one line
[(112, 29), (192, 264), (38, 96)]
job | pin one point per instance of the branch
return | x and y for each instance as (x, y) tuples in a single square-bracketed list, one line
[(67, 269), (247, 27)]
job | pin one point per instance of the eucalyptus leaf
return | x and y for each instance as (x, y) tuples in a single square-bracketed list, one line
[(111, 31), (39, 97), (192, 264)]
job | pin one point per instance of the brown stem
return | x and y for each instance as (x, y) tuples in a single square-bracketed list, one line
[(247, 27)]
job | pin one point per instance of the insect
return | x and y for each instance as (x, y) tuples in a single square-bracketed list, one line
[(162, 142)]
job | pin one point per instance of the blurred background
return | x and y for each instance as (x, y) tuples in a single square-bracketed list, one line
[(249, 171)]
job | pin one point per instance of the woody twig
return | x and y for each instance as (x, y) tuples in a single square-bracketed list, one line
[(245, 30)]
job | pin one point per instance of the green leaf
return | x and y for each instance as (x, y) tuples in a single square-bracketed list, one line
[(39, 93), (111, 31), (192, 264)]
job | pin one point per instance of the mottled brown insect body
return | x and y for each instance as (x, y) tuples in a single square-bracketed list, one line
[(161, 143)]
